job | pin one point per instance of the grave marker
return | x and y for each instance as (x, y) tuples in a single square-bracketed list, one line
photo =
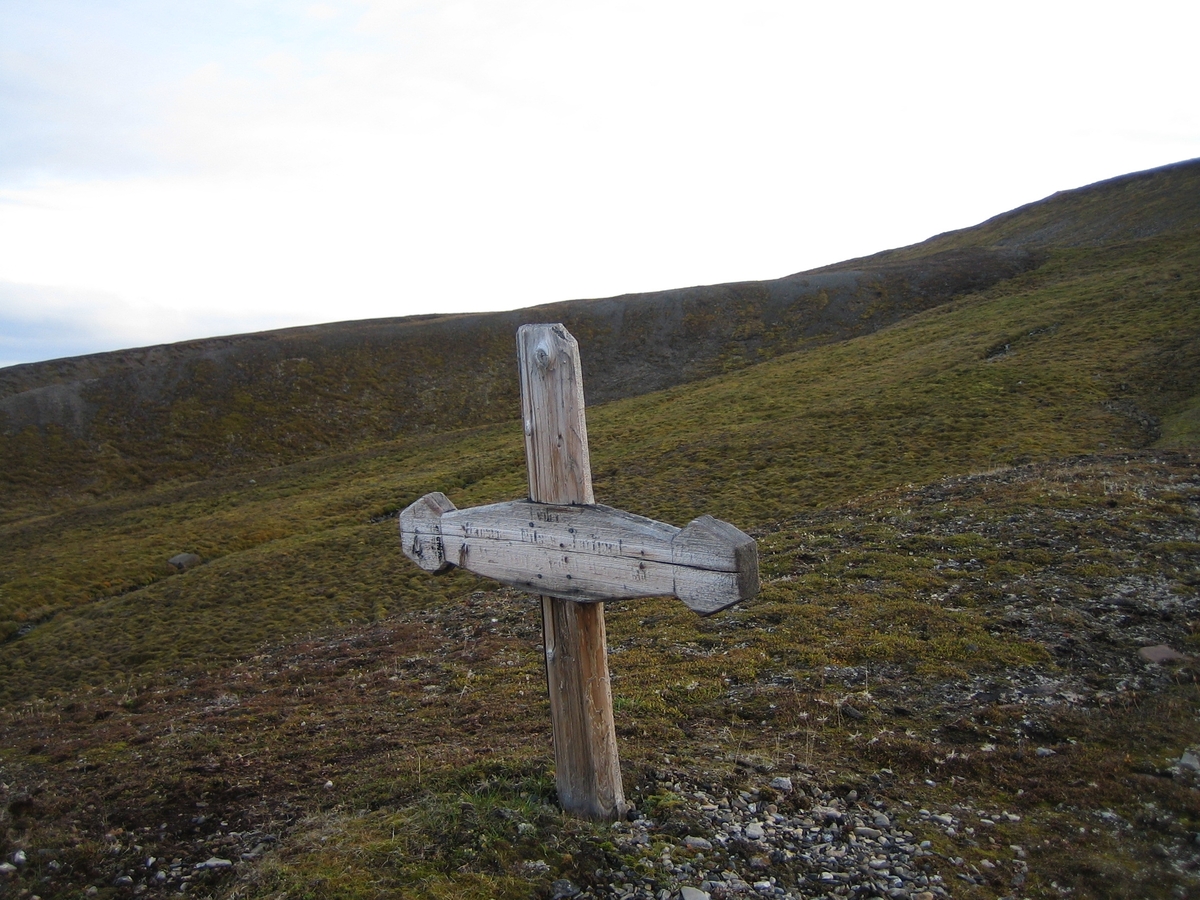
[(576, 554)]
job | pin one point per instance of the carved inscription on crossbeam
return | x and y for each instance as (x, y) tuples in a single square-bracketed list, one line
[(585, 553)]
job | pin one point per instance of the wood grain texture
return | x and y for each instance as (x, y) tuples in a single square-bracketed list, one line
[(556, 444), (585, 553), (587, 769)]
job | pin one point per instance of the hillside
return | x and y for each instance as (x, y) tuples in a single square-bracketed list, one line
[(228, 404), (90, 425), (1127, 208), (973, 522), (954, 668)]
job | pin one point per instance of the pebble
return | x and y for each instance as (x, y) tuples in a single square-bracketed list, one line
[(214, 862), (19, 858), (1161, 653), (751, 848), (782, 783), (7, 870), (827, 814)]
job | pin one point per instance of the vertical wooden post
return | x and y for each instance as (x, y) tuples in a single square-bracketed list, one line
[(587, 771)]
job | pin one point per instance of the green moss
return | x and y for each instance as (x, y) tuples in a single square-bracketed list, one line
[(1181, 427)]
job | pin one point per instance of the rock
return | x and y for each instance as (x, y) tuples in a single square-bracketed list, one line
[(123, 881), (1161, 653), (7, 870), (850, 848), (255, 852), (1044, 751), (1189, 760), (563, 890), (782, 783), (19, 858), (852, 713), (214, 862), (182, 561)]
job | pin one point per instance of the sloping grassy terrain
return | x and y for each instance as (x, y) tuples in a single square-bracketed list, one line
[(1098, 347), (965, 543), (75, 430), (961, 656), (1130, 207)]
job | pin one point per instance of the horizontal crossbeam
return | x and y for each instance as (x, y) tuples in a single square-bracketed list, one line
[(586, 553)]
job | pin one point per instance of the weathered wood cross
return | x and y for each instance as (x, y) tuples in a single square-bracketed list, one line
[(576, 554)]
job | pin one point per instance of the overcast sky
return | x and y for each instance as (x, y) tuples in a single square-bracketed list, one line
[(171, 170)]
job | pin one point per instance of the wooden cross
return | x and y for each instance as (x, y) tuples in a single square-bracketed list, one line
[(576, 554)]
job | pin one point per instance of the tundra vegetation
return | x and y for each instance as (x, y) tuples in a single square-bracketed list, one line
[(973, 514)]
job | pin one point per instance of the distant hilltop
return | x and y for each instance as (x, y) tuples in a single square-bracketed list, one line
[(220, 404)]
